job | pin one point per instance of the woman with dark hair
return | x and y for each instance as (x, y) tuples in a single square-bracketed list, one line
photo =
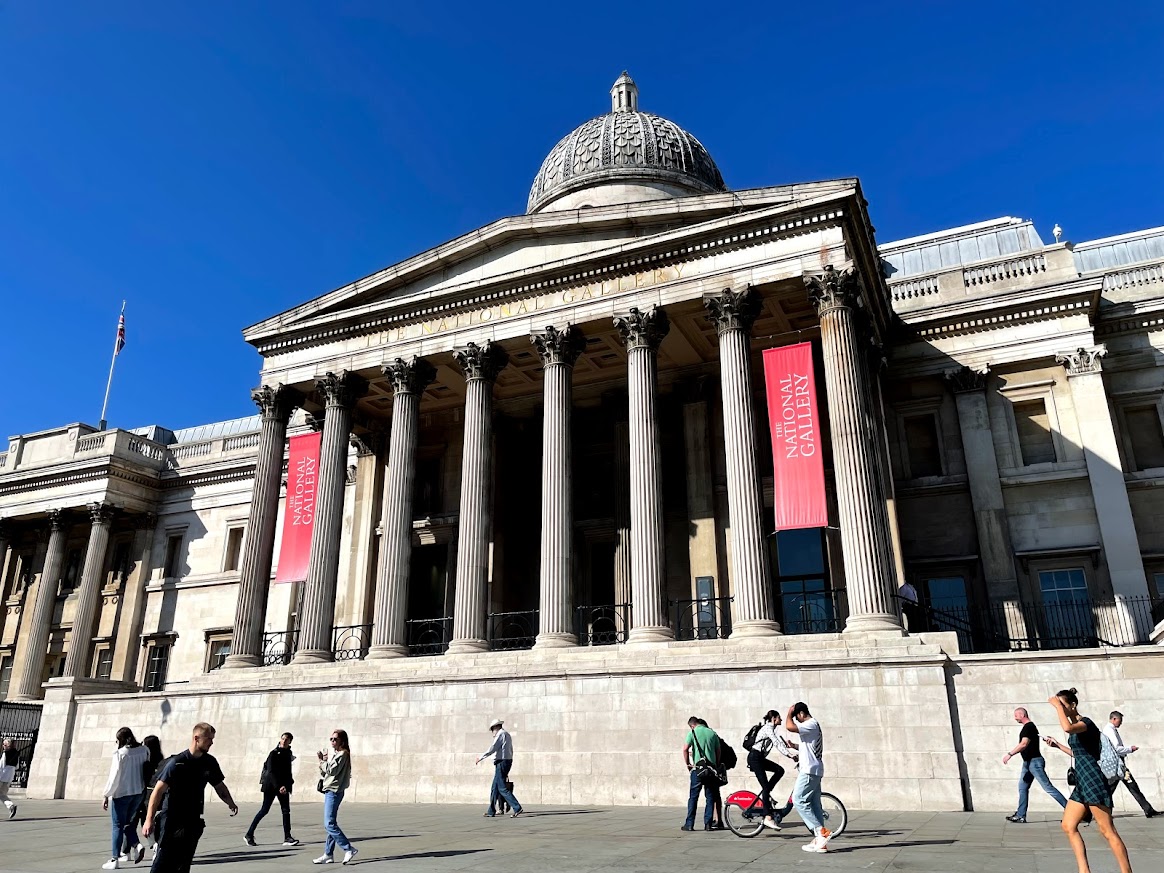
[(764, 742), (124, 787), (149, 774), (1092, 792), (335, 774)]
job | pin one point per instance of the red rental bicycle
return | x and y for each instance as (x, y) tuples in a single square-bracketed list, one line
[(743, 812)]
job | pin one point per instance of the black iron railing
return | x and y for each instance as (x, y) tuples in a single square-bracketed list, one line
[(428, 636), (351, 643), (602, 625), (20, 722), (278, 647), (512, 630), (813, 612), (705, 618)]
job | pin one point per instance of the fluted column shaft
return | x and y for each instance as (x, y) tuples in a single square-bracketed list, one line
[(864, 522), (318, 614), (77, 658), (559, 350), (642, 333), (733, 314), (27, 685), (389, 639), (480, 365), (250, 615)]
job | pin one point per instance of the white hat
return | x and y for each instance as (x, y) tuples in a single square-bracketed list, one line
[(495, 723)]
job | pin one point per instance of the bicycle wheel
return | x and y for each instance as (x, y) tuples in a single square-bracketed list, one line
[(836, 817), (744, 822)]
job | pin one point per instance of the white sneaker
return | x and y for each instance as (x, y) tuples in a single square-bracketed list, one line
[(772, 823), (111, 864), (815, 846), (139, 853), (350, 854), (322, 859)]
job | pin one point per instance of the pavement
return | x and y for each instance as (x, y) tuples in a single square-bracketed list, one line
[(63, 836)]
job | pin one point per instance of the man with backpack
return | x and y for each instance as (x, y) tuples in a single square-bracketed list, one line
[(276, 782), (759, 741), (701, 755)]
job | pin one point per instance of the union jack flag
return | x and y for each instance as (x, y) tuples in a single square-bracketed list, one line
[(120, 336)]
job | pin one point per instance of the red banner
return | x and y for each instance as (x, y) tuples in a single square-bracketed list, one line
[(299, 511), (798, 468)]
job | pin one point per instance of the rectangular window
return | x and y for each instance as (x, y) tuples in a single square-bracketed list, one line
[(234, 539), (921, 438), (426, 494), (1146, 436), (1066, 619), (217, 652), (173, 565), (103, 662), (5, 675), (1034, 432), (72, 575), (119, 568), (157, 661), (1158, 578)]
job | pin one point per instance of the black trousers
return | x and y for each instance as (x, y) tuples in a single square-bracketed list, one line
[(1129, 782), (759, 764), (177, 843), (284, 805)]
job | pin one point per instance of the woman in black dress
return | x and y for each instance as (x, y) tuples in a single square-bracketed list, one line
[(1092, 791)]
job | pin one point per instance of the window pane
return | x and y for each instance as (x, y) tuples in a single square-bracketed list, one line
[(5, 675), (946, 592), (234, 538), (1159, 579), (1034, 432), (800, 552), (1146, 436), (1062, 585), (921, 437)]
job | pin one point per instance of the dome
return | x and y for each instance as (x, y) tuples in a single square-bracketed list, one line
[(636, 155)]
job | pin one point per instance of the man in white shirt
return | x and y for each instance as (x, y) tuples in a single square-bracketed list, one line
[(810, 763), (1111, 730), (502, 752)]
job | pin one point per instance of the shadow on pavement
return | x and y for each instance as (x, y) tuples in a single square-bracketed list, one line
[(838, 850), (562, 812), (414, 856), (232, 856)]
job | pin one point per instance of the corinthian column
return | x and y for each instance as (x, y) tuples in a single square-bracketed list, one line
[(28, 680), (409, 379), (733, 313), (559, 350), (642, 332), (480, 364), (340, 393), (864, 522), (77, 659), (250, 616)]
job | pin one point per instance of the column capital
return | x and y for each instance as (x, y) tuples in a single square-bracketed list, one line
[(56, 519), (559, 346), (833, 289), (409, 377), (341, 390), (732, 310), (966, 379), (481, 361), (276, 402), (366, 444), (101, 513), (1082, 361), (643, 330)]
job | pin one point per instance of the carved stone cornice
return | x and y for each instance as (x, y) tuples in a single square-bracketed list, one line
[(559, 346), (733, 310), (1082, 361), (643, 330), (101, 513), (963, 380), (367, 444), (833, 289), (409, 377), (276, 402), (341, 390), (481, 362)]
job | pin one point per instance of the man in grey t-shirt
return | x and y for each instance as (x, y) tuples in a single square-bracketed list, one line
[(806, 794)]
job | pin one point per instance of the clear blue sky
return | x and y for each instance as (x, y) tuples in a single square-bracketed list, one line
[(215, 163)]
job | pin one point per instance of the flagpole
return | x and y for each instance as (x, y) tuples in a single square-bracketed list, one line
[(112, 363)]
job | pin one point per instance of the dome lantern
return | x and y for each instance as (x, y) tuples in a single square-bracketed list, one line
[(624, 96)]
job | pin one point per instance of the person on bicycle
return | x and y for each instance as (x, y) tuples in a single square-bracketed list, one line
[(766, 739)]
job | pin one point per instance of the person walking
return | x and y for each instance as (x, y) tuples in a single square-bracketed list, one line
[(700, 751), (149, 772), (1111, 730), (763, 741), (1092, 791), (810, 763), (502, 752), (1034, 767), (276, 782), (178, 800), (335, 775), (9, 758), (124, 788)]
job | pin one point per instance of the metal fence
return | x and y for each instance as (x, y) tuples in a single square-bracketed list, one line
[(512, 630), (20, 722), (428, 636), (705, 618), (602, 625), (813, 612), (351, 643), (278, 647)]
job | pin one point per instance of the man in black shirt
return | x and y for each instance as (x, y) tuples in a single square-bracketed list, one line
[(181, 792), (1034, 767)]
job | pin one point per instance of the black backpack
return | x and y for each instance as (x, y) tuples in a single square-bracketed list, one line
[(750, 736), (727, 755)]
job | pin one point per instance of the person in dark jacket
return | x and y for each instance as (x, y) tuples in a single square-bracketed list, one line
[(276, 782)]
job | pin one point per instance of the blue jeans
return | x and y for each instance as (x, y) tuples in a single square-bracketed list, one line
[(498, 791), (1032, 770), (335, 837), (806, 796), (124, 812), (710, 795)]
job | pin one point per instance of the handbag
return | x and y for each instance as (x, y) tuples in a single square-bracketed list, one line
[(7, 773), (319, 786), (1071, 776), (708, 774)]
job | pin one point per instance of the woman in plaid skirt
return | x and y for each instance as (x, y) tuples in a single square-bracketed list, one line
[(1092, 793)]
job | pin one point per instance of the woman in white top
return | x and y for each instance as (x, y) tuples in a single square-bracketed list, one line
[(124, 787)]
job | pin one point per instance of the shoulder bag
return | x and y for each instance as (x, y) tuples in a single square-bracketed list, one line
[(709, 773)]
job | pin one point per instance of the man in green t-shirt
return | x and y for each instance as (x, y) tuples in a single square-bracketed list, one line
[(700, 747)]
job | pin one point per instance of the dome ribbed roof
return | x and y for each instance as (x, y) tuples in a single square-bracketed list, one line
[(625, 145)]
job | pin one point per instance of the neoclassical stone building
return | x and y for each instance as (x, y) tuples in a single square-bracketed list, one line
[(546, 474)]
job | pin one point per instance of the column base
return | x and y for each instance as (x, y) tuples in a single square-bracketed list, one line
[(1157, 635), (882, 623), (555, 640), (22, 698), (650, 634), (755, 628), (313, 656), (467, 647), (383, 653), (235, 662)]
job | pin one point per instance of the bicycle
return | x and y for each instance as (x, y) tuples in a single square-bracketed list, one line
[(743, 813)]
